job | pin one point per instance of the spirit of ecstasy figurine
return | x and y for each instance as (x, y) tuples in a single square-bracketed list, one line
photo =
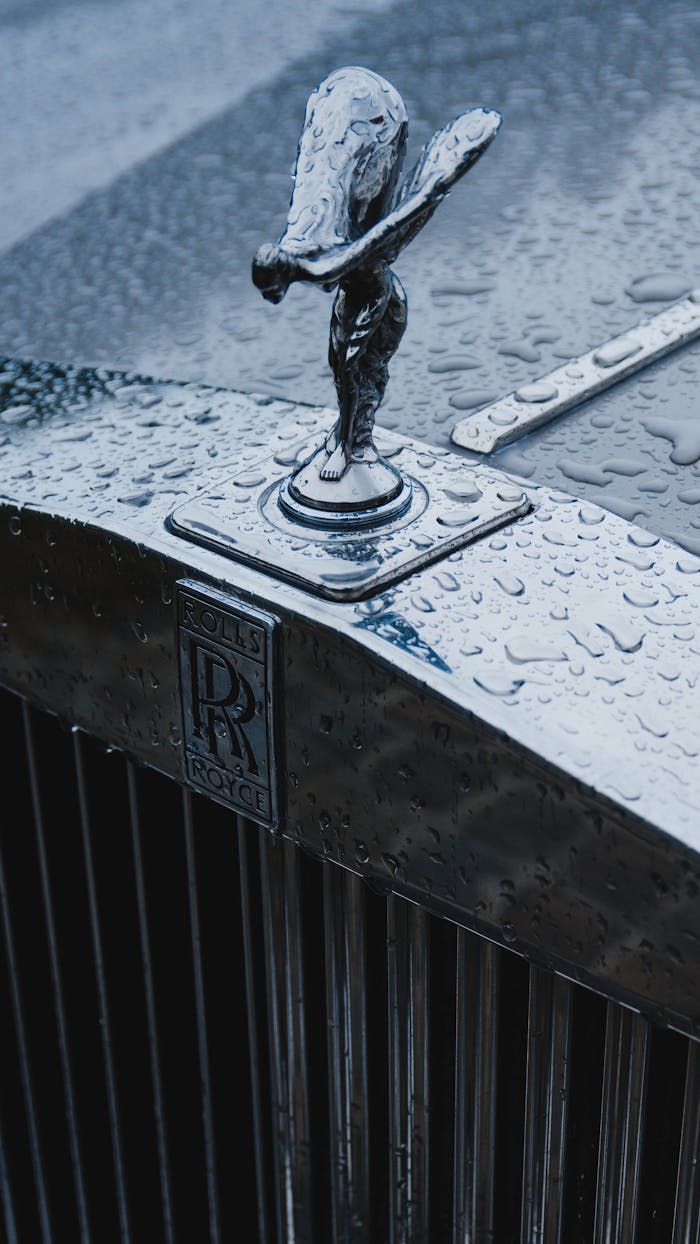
[(348, 220)]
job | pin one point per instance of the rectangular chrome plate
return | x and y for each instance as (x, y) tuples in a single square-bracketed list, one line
[(227, 677), (491, 427), (455, 503)]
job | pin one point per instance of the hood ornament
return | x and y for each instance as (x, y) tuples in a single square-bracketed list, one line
[(348, 220), (346, 524)]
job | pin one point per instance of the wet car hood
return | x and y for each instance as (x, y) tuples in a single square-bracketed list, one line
[(578, 223)]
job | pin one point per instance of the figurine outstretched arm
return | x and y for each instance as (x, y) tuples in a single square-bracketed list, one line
[(450, 153)]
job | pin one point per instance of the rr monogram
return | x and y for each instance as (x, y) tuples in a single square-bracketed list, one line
[(221, 706), (226, 670)]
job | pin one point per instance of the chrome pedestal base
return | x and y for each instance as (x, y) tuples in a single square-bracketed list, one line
[(443, 503), (368, 495)]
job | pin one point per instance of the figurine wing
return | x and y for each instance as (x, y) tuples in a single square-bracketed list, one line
[(448, 156), (450, 153)]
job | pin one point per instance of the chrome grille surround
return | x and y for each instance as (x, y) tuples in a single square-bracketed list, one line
[(524, 897)]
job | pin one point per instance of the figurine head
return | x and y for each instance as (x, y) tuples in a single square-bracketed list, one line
[(273, 271), (348, 162)]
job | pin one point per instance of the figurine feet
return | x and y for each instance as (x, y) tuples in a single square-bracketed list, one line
[(336, 466), (328, 490)]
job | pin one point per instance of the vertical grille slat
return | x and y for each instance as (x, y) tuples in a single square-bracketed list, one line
[(620, 1146), (393, 1078), (26, 1079), (546, 1098), (346, 1005), (57, 983), (245, 829), (202, 1037), (407, 957), (475, 1082), (686, 1226), (151, 1013), (284, 965), (102, 994), (8, 1200)]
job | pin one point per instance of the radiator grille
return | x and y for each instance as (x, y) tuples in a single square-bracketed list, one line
[(210, 1035)]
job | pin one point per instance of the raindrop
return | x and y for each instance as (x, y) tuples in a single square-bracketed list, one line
[(422, 603), (624, 637), (521, 650), (447, 581), (616, 351), (539, 391), (510, 583), (499, 685), (463, 492)]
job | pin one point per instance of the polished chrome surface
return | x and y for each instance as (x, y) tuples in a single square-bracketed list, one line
[(348, 221), (546, 1107), (551, 666), (532, 405), (409, 1094), (621, 1127), (451, 505), (348, 1053), (475, 1090)]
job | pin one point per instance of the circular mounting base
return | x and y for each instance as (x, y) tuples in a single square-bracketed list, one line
[(369, 493), (344, 520)]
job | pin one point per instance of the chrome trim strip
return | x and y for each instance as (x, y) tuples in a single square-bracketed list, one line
[(532, 405)]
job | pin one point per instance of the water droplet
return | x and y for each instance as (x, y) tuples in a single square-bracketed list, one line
[(616, 351), (640, 598), (422, 603), (625, 637), (248, 479), (510, 583), (447, 581), (538, 391), (521, 650), (463, 492), (458, 518), (658, 287), (139, 631), (137, 499), (499, 685)]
